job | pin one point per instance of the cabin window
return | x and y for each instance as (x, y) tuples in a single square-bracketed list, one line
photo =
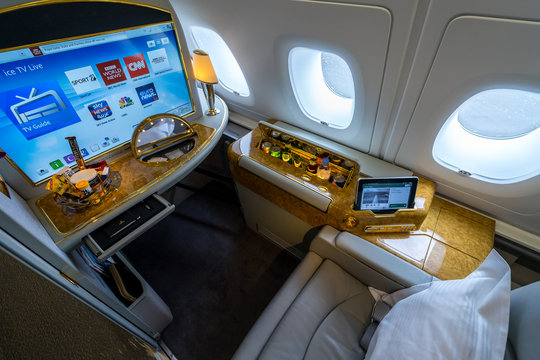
[(227, 69), (494, 136), (323, 86)]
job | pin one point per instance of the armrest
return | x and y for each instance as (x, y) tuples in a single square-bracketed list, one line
[(367, 262), (259, 334)]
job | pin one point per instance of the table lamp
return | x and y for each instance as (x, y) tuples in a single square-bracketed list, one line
[(204, 72)]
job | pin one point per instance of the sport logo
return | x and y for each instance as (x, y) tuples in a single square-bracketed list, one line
[(147, 93), (83, 79), (124, 102), (100, 110), (136, 65), (111, 72)]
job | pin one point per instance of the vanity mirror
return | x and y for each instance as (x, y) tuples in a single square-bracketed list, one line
[(162, 138)]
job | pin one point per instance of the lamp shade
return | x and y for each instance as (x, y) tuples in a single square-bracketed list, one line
[(202, 66)]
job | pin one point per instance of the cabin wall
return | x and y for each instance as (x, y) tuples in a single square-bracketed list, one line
[(412, 66)]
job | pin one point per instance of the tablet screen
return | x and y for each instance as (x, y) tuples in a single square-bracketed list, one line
[(386, 195)]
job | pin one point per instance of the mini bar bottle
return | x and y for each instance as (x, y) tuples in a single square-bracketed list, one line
[(324, 171)]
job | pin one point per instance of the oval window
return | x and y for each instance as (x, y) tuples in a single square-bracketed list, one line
[(230, 75), (323, 85), (493, 136)]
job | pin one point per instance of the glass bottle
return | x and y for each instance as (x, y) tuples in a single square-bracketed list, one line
[(323, 172)]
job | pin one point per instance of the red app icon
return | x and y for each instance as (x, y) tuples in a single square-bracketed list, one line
[(136, 65), (36, 51), (111, 72)]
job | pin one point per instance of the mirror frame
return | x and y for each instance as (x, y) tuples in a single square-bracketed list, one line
[(156, 145)]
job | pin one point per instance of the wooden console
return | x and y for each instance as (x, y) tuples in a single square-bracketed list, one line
[(448, 241)]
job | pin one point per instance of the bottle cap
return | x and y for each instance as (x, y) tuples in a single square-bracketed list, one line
[(325, 161), (83, 184)]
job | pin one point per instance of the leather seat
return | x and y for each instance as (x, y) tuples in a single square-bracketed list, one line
[(323, 309), (524, 327), (325, 306)]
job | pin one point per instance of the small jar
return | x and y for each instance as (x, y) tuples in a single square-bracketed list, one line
[(275, 151), (347, 164), (286, 156), (84, 187), (335, 159), (312, 167), (339, 180), (265, 146)]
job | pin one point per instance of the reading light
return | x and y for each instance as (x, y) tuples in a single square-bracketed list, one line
[(204, 72)]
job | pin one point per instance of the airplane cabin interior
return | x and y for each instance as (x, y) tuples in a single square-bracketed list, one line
[(286, 179)]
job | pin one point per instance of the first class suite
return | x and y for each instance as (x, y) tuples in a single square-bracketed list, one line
[(289, 179)]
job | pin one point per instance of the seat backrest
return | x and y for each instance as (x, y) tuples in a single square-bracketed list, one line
[(524, 327)]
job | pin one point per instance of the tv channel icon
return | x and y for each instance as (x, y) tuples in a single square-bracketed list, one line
[(158, 60), (83, 79), (100, 110), (38, 109), (136, 65), (111, 72), (147, 93), (35, 50), (124, 102)]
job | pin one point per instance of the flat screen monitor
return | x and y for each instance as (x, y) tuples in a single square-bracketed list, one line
[(386, 195), (97, 88)]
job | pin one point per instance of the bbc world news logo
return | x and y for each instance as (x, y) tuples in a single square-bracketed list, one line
[(136, 65)]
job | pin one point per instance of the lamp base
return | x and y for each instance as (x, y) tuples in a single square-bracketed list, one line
[(212, 112)]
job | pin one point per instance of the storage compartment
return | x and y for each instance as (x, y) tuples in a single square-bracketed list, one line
[(123, 229), (117, 278)]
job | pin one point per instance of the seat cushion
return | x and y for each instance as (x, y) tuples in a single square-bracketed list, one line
[(524, 330), (325, 321)]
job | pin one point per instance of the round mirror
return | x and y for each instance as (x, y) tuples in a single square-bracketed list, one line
[(161, 138)]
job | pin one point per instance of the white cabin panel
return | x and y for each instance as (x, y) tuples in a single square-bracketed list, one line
[(476, 54), (371, 38)]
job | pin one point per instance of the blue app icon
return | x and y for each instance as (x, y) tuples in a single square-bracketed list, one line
[(100, 110), (38, 109), (147, 93)]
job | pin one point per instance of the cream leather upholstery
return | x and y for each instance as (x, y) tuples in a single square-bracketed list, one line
[(524, 329), (324, 307)]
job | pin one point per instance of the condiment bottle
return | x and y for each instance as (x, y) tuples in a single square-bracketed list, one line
[(324, 171)]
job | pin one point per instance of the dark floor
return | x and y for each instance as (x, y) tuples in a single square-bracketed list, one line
[(215, 274)]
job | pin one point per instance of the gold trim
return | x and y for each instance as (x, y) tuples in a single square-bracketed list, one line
[(68, 279), (47, 2), (138, 152), (3, 187), (140, 190)]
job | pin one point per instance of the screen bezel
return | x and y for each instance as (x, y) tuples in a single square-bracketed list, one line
[(85, 36), (385, 180)]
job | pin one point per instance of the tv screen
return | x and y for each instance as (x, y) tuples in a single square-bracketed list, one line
[(97, 88)]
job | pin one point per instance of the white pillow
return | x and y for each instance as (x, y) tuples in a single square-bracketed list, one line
[(453, 319)]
